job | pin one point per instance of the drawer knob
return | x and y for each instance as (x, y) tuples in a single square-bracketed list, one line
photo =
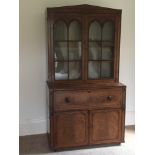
[(67, 100), (109, 98)]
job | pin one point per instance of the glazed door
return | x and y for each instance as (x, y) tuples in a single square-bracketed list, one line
[(70, 129), (67, 47), (105, 126), (101, 47)]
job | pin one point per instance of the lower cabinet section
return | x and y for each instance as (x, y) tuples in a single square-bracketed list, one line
[(84, 128), (70, 129)]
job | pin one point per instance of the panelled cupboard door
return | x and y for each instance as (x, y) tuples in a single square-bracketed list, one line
[(70, 129), (105, 126)]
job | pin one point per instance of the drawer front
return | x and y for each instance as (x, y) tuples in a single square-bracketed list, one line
[(105, 98), (87, 99)]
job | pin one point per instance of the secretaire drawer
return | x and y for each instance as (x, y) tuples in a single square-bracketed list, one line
[(87, 99)]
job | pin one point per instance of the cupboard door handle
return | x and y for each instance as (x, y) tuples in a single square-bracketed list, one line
[(109, 98), (67, 100)]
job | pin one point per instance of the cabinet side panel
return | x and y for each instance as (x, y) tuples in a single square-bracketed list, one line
[(123, 114)]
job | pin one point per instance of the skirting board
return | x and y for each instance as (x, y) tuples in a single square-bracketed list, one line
[(39, 126)]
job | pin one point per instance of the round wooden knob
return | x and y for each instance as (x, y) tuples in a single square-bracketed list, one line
[(67, 100), (109, 98)]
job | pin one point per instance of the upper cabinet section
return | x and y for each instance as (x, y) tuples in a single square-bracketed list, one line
[(83, 43)]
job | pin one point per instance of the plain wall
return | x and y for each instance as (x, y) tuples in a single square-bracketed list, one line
[(33, 64)]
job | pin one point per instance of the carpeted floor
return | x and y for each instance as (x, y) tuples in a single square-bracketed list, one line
[(33, 146)]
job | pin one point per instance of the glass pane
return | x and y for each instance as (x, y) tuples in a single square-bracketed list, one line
[(74, 70), (94, 70), (107, 43), (74, 50), (108, 31), (74, 31), (60, 31), (107, 53), (95, 31), (107, 70), (61, 70), (94, 50), (60, 51)]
